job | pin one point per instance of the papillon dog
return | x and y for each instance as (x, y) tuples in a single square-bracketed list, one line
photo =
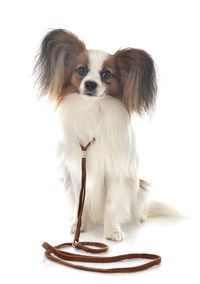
[(96, 94)]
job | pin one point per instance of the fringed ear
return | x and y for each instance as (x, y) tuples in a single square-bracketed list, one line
[(54, 58), (137, 78)]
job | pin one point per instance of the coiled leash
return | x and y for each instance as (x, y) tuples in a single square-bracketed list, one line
[(55, 254)]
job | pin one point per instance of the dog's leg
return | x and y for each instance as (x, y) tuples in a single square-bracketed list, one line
[(116, 206)]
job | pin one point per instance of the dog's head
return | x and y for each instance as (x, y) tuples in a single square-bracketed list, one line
[(65, 66)]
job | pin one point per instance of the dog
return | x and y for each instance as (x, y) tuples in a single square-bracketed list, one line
[(95, 96)]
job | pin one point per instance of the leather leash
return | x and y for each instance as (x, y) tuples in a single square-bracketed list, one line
[(55, 254)]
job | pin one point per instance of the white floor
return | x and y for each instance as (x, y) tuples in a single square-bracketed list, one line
[(42, 217), (175, 241)]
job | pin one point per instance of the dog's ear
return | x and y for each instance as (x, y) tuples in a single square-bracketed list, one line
[(56, 54), (137, 78)]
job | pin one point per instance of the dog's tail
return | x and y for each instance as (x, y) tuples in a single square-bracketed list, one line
[(158, 208)]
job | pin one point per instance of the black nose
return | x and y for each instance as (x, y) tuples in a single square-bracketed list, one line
[(90, 85)]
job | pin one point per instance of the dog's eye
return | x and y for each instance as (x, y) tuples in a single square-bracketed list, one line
[(106, 74), (82, 71)]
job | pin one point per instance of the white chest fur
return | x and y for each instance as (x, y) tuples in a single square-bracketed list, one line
[(82, 118), (85, 118), (113, 154)]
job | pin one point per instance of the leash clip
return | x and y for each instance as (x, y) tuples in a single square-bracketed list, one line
[(74, 244)]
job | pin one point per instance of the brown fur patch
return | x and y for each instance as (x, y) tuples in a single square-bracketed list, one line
[(72, 78), (55, 61), (137, 79), (133, 79), (81, 60), (113, 87)]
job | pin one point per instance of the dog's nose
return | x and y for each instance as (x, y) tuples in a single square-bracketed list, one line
[(90, 85)]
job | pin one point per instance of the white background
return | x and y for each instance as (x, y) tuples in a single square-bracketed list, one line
[(33, 206)]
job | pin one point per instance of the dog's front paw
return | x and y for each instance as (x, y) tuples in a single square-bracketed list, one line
[(117, 235)]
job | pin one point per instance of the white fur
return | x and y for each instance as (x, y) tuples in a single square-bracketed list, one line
[(113, 194)]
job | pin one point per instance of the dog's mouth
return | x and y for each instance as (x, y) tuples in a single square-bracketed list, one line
[(90, 95)]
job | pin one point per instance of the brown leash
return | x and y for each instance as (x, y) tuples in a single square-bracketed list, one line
[(55, 254)]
